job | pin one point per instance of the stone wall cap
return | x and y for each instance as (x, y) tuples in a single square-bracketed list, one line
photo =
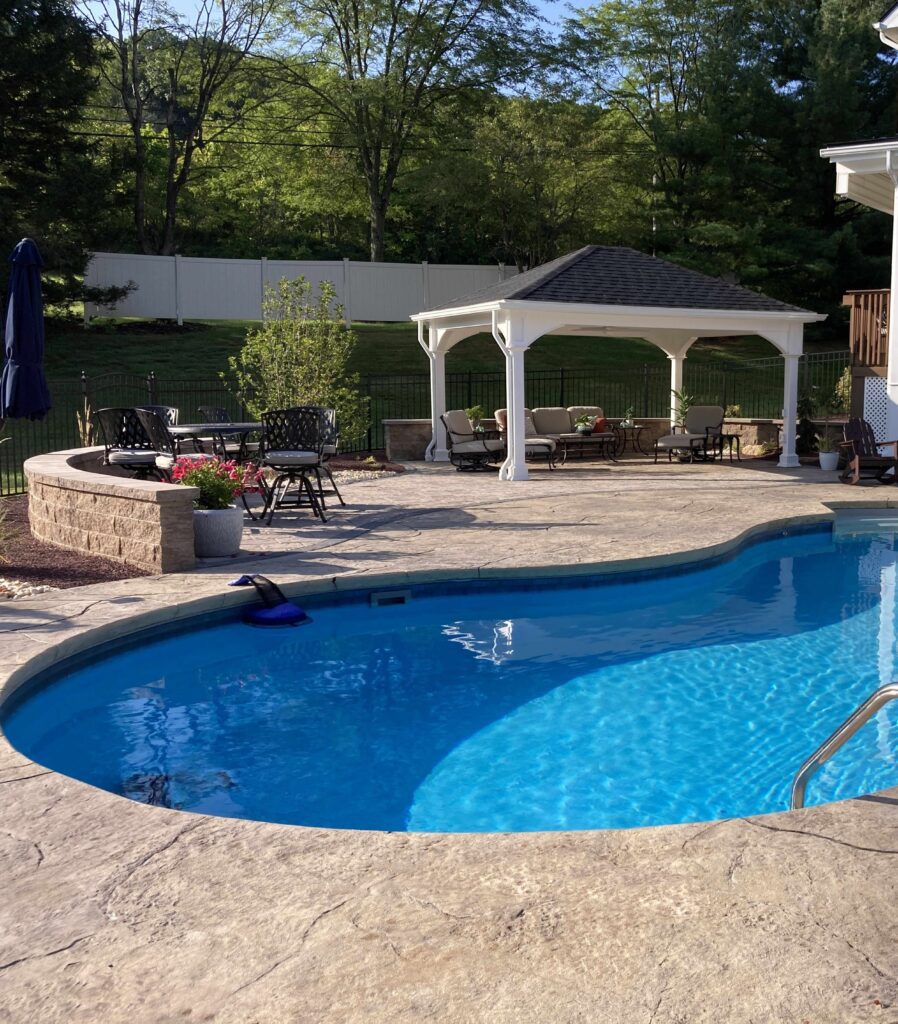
[(61, 469)]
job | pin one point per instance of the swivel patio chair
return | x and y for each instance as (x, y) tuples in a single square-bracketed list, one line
[(126, 443), (698, 438), (469, 449), (167, 448), (292, 444), (864, 455)]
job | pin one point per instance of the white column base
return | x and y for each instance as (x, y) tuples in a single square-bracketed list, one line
[(788, 461), (512, 472), (439, 455)]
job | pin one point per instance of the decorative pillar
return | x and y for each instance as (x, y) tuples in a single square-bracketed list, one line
[(437, 450), (515, 465), (789, 458), (676, 384)]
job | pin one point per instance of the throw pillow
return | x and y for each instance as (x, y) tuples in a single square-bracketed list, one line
[(529, 427), (600, 426)]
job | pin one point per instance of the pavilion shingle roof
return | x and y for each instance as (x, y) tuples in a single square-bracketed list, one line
[(615, 276)]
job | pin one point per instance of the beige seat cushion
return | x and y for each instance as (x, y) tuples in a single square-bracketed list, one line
[(541, 443), (501, 417), (552, 421), (478, 447), (680, 441), (594, 412), (288, 458), (458, 425), (132, 457)]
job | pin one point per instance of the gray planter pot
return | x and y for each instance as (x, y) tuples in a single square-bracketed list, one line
[(217, 532), (828, 460)]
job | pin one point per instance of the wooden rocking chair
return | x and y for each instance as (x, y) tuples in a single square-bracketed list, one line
[(862, 451)]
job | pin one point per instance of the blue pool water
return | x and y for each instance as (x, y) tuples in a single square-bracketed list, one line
[(666, 699)]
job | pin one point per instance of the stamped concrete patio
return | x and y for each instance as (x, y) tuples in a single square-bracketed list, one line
[(120, 912)]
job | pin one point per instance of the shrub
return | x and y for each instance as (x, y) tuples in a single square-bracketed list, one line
[(300, 356)]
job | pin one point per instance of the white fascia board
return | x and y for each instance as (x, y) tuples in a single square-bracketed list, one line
[(861, 157), (620, 316)]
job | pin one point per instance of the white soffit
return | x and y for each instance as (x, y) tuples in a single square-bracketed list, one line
[(862, 175), (887, 27)]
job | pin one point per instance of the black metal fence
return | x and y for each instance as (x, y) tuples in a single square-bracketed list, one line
[(755, 387)]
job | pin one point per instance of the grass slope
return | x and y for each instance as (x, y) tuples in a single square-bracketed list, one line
[(200, 350)]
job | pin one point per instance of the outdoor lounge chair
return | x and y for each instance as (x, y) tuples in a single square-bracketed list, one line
[(534, 444), (470, 449), (699, 437), (863, 453)]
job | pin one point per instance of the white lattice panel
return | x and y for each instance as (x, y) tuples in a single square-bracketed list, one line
[(875, 402)]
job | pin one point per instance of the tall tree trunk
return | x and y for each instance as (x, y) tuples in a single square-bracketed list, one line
[(378, 228), (140, 194)]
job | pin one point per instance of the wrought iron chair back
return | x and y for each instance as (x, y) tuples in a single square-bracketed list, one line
[(157, 431), (168, 413), (300, 429), (122, 428), (213, 414)]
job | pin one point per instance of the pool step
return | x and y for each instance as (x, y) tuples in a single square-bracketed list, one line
[(866, 521)]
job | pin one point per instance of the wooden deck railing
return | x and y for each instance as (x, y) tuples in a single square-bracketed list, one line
[(868, 334)]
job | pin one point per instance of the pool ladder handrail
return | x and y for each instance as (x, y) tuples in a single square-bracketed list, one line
[(855, 721)]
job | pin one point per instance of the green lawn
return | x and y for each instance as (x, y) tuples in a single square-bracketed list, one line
[(201, 350)]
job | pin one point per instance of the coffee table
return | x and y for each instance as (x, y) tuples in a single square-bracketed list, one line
[(602, 444)]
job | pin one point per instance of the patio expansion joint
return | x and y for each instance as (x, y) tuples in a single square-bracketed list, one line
[(817, 835), (48, 953)]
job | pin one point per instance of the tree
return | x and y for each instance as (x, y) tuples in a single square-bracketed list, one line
[(43, 158), (379, 69), (166, 74), (300, 356)]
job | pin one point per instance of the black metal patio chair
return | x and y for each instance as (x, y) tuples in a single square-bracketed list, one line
[(126, 442), (169, 413), (292, 447), (167, 448)]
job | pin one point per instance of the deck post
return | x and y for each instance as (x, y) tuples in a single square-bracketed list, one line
[(789, 458)]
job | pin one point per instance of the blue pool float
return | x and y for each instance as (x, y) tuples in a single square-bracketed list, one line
[(276, 610)]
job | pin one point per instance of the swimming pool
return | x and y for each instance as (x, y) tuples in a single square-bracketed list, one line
[(540, 706)]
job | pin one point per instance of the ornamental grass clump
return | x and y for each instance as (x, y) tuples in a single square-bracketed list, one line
[(220, 481)]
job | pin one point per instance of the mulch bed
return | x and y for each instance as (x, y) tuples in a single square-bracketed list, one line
[(32, 561), (378, 463)]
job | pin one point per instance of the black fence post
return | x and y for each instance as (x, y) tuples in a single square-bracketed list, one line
[(151, 388), (470, 389), (645, 390), (561, 386)]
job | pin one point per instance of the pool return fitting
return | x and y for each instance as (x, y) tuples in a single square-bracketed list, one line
[(858, 718), (276, 610)]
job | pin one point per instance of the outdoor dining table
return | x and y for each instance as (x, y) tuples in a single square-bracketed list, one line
[(198, 431)]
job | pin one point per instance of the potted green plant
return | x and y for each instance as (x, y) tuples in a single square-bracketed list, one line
[(583, 424), (217, 521), (475, 414), (682, 403), (627, 421), (827, 448)]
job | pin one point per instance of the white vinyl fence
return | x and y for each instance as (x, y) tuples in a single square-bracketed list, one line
[(195, 288)]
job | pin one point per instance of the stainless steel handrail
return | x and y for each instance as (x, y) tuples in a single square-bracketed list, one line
[(858, 718)]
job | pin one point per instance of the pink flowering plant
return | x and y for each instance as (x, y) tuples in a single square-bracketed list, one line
[(220, 481)]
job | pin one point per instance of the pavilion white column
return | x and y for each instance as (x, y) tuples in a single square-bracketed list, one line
[(788, 459), (515, 465), (437, 450), (892, 369), (676, 384)]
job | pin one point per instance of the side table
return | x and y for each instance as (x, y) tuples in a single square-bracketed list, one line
[(632, 436)]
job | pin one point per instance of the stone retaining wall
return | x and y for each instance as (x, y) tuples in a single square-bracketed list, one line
[(407, 440), (74, 504)]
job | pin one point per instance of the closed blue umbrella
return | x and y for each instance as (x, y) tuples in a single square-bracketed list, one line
[(23, 387)]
